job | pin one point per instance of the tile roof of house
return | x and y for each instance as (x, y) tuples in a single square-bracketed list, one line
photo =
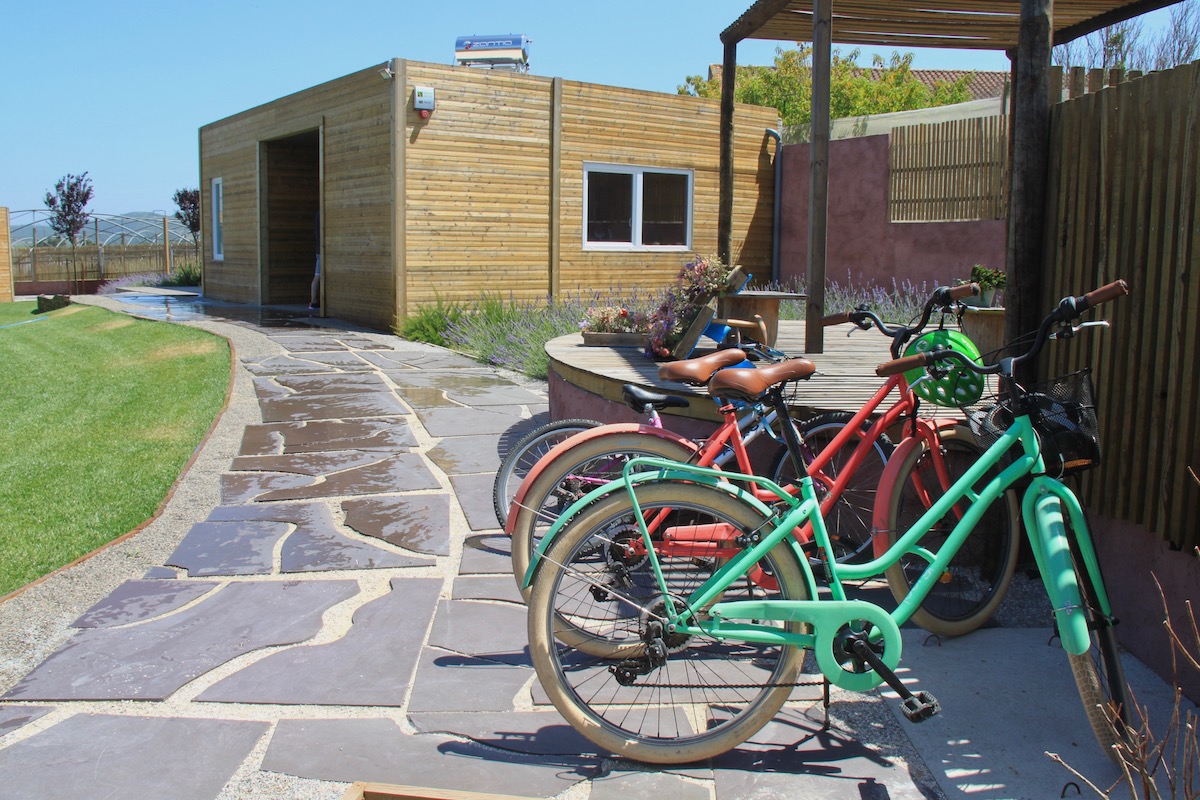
[(986, 83)]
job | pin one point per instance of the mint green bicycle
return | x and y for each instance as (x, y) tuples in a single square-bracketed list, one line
[(674, 656)]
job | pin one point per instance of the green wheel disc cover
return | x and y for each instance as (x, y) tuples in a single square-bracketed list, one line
[(958, 387)]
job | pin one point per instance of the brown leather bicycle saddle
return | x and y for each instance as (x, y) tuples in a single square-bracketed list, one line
[(697, 371), (750, 384)]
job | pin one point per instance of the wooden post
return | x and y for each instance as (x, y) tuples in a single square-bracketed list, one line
[(818, 188), (555, 255), (725, 195), (399, 98), (1030, 162)]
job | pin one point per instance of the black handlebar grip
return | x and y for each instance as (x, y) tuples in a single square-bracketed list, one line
[(901, 365), (966, 290), (1112, 291), (835, 319)]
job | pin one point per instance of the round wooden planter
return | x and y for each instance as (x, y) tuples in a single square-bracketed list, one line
[(615, 339)]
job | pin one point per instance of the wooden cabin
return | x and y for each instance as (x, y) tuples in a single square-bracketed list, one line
[(510, 184)]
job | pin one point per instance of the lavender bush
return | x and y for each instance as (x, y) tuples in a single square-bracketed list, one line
[(512, 333)]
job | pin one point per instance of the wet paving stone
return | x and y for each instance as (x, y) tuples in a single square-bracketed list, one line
[(310, 363), (13, 717), (531, 732), (441, 422), (285, 438), (454, 682), (318, 342), (332, 406), (426, 359), (474, 494), (352, 671), (463, 455), (240, 540), (486, 553), (376, 750), (469, 390), (245, 488), (153, 660), (487, 587), (405, 472), (94, 756), (420, 523), (491, 631), (137, 601), (306, 463), (282, 386), (244, 547), (424, 397)]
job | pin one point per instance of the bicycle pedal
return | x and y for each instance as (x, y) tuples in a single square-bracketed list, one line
[(920, 707)]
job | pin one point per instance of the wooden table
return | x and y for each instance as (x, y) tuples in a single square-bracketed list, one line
[(745, 304)]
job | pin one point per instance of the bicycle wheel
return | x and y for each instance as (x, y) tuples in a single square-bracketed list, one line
[(849, 518), (574, 473), (657, 696), (1098, 673), (972, 587), (521, 458)]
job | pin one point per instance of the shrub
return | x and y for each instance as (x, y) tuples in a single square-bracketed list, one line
[(430, 323)]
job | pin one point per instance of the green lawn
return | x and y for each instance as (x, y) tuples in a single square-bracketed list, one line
[(99, 412)]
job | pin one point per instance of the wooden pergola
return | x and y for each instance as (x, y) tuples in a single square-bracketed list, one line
[(1026, 29)]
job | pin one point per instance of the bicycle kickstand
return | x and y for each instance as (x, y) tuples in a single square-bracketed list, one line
[(916, 707)]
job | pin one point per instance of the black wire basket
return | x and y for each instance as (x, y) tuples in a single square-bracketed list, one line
[(1063, 411)]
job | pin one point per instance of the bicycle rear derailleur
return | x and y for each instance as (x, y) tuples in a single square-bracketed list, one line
[(629, 670)]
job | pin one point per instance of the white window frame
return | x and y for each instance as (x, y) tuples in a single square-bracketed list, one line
[(218, 222), (636, 233)]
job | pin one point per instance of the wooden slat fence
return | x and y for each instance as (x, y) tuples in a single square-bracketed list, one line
[(1123, 204), (106, 263), (6, 285), (952, 170)]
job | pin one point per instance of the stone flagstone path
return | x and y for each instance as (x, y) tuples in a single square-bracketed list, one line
[(346, 613)]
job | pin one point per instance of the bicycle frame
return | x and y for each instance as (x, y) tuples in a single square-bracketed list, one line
[(1042, 507)]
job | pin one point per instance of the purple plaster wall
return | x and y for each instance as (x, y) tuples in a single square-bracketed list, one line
[(863, 246)]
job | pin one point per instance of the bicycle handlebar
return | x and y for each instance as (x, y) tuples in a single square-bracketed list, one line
[(942, 297), (1069, 308)]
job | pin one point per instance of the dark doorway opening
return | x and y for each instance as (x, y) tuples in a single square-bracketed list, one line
[(291, 231)]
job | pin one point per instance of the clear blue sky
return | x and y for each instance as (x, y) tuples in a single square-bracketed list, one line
[(119, 89)]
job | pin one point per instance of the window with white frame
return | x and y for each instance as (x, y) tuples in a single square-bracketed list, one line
[(628, 208), (218, 219)]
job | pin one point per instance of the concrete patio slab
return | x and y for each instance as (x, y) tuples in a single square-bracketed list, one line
[(94, 756), (376, 750)]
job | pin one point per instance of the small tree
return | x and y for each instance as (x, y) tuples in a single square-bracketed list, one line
[(188, 201), (68, 215)]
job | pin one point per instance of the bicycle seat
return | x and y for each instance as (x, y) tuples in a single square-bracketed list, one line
[(697, 371), (638, 398), (750, 384)]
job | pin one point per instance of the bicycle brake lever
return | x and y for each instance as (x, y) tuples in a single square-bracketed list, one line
[(1068, 331)]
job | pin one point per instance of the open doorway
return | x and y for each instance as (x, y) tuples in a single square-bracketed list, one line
[(291, 227)]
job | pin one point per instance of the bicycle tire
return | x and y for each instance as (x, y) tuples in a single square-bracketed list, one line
[(525, 453), (734, 687), (849, 520), (1098, 673), (978, 577), (572, 474)]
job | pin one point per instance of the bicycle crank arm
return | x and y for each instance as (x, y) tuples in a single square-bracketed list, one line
[(916, 707)]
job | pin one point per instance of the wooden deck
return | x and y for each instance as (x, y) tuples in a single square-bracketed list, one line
[(845, 377)]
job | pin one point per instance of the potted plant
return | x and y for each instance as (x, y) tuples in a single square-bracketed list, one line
[(989, 281), (614, 326), (697, 283)]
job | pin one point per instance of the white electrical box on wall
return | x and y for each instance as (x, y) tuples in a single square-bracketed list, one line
[(423, 98)]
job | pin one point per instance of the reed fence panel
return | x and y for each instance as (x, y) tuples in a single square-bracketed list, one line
[(954, 170), (97, 263), (1123, 204)]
